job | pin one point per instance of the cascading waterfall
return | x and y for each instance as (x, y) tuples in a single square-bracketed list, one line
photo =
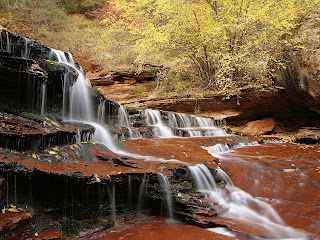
[(80, 104), (219, 148), (239, 204), (124, 121), (194, 126), (183, 125), (166, 189), (154, 119)]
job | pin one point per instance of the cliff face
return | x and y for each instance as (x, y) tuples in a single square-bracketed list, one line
[(298, 71)]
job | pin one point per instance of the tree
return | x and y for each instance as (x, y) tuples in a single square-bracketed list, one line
[(222, 39)]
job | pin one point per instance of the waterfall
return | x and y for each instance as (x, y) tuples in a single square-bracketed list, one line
[(80, 104), (154, 119), (25, 50), (124, 121), (43, 97), (8, 43), (142, 190), (102, 112), (112, 197), (239, 204), (219, 148), (182, 125), (166, 189)]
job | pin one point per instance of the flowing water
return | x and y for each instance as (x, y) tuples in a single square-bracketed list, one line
[(25, 50), (166, 189), (183, 125), (43, 98), (124, 121), (142, 191), (154, 119), (8, 43), (102, 112), (241, 205), (219, 149), (80, 102)]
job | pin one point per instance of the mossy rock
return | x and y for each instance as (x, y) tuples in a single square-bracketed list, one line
[(71, 227)]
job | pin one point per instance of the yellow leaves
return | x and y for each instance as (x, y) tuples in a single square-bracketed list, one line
[(52, 152), (97, 178), (318, 169), (12, 209)]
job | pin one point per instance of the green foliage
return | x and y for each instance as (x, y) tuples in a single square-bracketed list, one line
[(153, 84), (80, 6), (139, 91)]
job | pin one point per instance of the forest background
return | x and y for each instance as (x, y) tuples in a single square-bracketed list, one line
[(204, 45)]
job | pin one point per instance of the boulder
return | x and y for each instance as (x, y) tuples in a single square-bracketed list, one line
[(261, 127)]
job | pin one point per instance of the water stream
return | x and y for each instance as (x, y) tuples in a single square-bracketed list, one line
[(241, 205), (166, 189)]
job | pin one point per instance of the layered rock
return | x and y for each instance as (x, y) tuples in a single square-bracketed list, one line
[(297, 69)]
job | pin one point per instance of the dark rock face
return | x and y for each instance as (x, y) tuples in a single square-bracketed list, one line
[(21, 82), (26, 74), (19, 46), (300, 85), (298, 71)]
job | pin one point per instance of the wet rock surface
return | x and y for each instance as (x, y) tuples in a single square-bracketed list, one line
[(37, 132), (285, 175)]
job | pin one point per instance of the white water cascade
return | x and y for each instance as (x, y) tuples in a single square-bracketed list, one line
[(80, 109), (124, 121), (8, 43), (183, 125), (43, 97), (142, 191), (219, 148), (25, 50), (101, 112), (154, 119), (80, 104), (241, 205), (194, 126), (166, 189)]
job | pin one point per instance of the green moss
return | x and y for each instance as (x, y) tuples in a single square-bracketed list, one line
[(71, 227), (95, 92), (33, 116), (187, 186), (181, 200), (49, 66)]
